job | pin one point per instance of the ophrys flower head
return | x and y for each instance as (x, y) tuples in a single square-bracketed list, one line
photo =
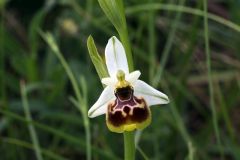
[(125, 99)]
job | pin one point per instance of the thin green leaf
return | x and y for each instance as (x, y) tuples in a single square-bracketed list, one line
[(24, 144), (210, 81), (177, 8), (31, 128), (53, 45), (96, 58), (114, 10)]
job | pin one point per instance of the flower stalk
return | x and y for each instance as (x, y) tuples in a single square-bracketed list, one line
[(129, 146)]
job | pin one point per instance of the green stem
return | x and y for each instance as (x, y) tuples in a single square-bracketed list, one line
[(24, 144), (126, 43), (152, 42), (168, 46), (209, 71), (184, 9), (129, 146), (31, 128), (51, 42), (2, 60)]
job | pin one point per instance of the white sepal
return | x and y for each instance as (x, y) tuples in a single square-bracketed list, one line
[(100, 107), (151, 95), (115, 57)]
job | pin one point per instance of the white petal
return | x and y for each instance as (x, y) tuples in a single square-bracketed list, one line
[(109, 81), (115, 57), (151, 95), (99, 112), (100, 107), (133, 76)]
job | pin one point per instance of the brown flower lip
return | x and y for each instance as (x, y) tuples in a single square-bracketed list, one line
[(126, 109)]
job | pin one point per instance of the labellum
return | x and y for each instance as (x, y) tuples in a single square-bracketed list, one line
[(127, 112)]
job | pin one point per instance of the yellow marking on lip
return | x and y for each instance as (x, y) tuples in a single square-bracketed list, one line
[(129, 127)]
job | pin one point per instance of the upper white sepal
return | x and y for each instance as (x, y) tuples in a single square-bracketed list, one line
[(115, 57)]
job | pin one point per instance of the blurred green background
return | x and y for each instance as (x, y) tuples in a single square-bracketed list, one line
[(168, 48)]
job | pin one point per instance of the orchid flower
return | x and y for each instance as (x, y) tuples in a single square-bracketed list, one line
[(125, 99)]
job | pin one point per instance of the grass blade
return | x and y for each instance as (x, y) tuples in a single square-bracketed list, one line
[(31, 128), (114, 10), (184, 9), (82, 107), (30, 146), (210, 82), (167, 47)]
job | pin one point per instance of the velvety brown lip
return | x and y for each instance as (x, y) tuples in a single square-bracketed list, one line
[(127, 108)]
